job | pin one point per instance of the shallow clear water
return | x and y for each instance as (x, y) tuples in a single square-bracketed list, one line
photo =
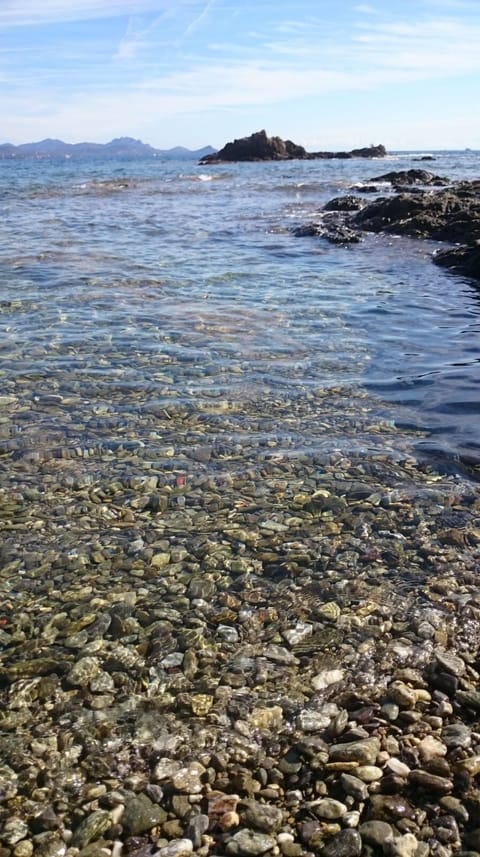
[(131, 287)]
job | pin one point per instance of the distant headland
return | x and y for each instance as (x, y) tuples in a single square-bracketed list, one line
[(260, 147), (121, 147)]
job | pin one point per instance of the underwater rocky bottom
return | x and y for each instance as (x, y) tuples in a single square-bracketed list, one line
[(279, 659)]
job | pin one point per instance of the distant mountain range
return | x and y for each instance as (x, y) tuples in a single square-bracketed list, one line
[(121, 147)]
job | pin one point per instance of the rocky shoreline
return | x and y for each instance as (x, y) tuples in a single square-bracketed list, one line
[(283, 661), (421, 205)]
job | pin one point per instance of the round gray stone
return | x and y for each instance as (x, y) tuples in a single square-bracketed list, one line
[(248, 843), (376, 832), (457, 735)]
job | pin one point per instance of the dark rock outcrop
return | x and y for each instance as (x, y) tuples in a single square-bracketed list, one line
[(349, 202), (404, 178), (365, 152), (260, 147), (257, 147), (450, 214), (334, 233), (446, 215), (462, 260)]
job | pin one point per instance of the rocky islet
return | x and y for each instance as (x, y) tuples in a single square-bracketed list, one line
[(260, 147)]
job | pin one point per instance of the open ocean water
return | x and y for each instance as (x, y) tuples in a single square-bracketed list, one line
[(131, 289)]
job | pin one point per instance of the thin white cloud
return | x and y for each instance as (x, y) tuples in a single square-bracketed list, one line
[(365, 9), (199, 18), (433, 49), (31, 12), (137, 35)]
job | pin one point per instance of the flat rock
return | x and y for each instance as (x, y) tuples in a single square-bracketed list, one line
[(364, 752), (450, 663)]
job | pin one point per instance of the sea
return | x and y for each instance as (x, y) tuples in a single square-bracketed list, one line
[(134, 293)]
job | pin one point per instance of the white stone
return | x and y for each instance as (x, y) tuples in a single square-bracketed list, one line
[(176, 848), (398, 767), (403, 846), (327, 677), (188, 780), (431, 748)]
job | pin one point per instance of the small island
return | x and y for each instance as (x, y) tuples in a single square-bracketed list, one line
[(260, 147)]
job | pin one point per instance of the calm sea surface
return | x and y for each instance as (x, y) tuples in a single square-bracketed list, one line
[(132, 291)]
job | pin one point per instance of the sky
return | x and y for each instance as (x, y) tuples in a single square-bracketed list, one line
[(327, 74)]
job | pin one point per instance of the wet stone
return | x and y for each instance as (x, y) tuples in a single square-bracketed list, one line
[(290, 763), (197, 826), (369, 773), (91, 828), (353, 786), (401, 694), (330, 809), (247, 843), (14, 829), (24, 848), (316, 719), (431, 748), (8, 783), (266, 718), (83, 672), (176, 848), (469, 698), (455, 807), (430, 782), (327, 677), (450, 663), (397, 767), (457, 735), (347, 843), (363, 752), (389, 808), (390, 710), (189, 780), (403, 846), (201, 587), (264, 817), (50, 845), (141, 814), (378, 833)]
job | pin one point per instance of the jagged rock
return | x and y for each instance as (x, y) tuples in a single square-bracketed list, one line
[(445, 215), (257, 147)]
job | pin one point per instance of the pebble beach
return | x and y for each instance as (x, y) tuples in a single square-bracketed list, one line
[(240, 610)]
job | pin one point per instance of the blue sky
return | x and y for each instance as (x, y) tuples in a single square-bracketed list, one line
[(324, 73)]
